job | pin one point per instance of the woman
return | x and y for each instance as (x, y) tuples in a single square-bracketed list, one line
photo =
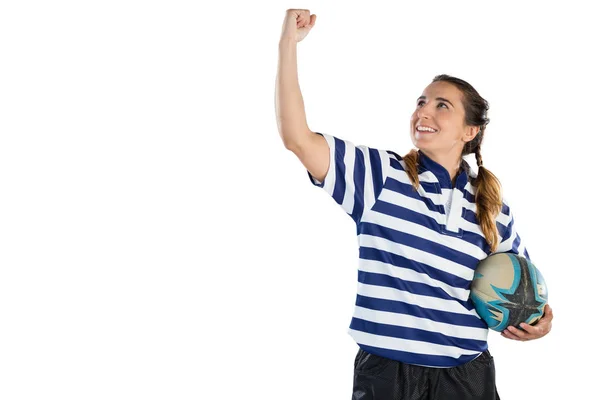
[(424, 221)]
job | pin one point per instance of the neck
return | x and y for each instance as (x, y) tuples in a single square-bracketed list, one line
[(448, 161)]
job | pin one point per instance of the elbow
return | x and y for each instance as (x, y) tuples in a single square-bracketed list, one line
[(290, 145), (292, 139)]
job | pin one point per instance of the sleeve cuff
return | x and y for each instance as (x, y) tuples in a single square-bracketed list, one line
[(331, 143)]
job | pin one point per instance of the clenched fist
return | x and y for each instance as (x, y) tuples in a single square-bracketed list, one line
[(297, 24)]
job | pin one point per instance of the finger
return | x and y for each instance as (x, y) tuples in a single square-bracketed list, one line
[(518, 333), (548, 312), (305, 17), (313, 19), (509, 335), (532, 330), (540, 329)]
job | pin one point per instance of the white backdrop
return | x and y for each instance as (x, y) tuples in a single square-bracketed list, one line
[(157, 241)]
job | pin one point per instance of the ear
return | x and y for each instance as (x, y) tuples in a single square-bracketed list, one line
[(471, 132)]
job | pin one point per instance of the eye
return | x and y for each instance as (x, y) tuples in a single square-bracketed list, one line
[(440, 104)]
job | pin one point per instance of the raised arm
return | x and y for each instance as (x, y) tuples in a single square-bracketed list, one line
[(309, 147)]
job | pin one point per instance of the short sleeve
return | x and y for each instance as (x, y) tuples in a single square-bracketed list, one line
[(511, 241), (355, 177)]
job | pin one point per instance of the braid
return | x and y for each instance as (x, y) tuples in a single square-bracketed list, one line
[(411, 160), (488, 201), (477, 152)]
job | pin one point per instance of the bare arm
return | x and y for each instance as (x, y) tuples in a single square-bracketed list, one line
[(309, 147)]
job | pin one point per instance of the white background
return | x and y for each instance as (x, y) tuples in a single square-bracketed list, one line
[(157, 241)]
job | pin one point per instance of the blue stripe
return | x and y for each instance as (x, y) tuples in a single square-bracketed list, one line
[(415, 334), (516, 243), (372, 278), (477, 240), (472, 217), (429, 187), (340, 171), (359, 184), (395, 162), (396, 157), (377, 171), (504, 231), (407, 190), (419, 359), (368, 253), (470, 198), (400, 212), (420, 243), (401, 307), (507, 230)]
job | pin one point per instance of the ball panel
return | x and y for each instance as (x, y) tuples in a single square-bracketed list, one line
[(484, 305)]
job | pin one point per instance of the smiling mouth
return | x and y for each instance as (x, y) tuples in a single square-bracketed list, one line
[(424, 132), (428, 130)]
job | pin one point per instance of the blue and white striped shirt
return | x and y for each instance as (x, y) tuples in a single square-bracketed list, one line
[(417, 254)]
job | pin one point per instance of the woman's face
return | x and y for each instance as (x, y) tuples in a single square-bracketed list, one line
[(440, 107)]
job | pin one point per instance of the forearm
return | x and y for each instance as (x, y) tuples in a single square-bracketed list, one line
[(289, 105)]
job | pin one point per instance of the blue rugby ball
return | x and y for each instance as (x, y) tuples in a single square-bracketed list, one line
[(507, 289)]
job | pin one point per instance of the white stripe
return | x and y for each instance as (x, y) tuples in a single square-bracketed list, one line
[(470, 188), (423, 232), (471, 227), (468, 205), (417, 255), (390, 196), (409, 321), (349, 160), (434, 303), (368, 192), (407, 274), (521, 247), (446, 193), (370, 199), (503, 218), (329, 183), (425, 176), (506, 245), (412, 346), (402, 177), (456, 211)]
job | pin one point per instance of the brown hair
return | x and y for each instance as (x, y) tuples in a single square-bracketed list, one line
[(488, 196)]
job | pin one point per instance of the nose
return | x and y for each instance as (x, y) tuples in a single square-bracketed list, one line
[(423, 112)]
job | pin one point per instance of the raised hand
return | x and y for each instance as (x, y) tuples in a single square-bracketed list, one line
[(297, 24)]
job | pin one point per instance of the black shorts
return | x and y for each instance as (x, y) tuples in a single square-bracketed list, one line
[(379, 378)]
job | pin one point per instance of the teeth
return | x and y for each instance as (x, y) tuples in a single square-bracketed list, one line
[(423, 128)]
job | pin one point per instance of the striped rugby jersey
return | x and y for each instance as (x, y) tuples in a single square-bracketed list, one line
[(417, 254)]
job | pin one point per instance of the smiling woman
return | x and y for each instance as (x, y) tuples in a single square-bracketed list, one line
[(424, 222)]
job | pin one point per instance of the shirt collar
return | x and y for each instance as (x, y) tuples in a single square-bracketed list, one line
[(441, 173)]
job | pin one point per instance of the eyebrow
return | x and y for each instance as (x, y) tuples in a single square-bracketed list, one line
[(437, 98)]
